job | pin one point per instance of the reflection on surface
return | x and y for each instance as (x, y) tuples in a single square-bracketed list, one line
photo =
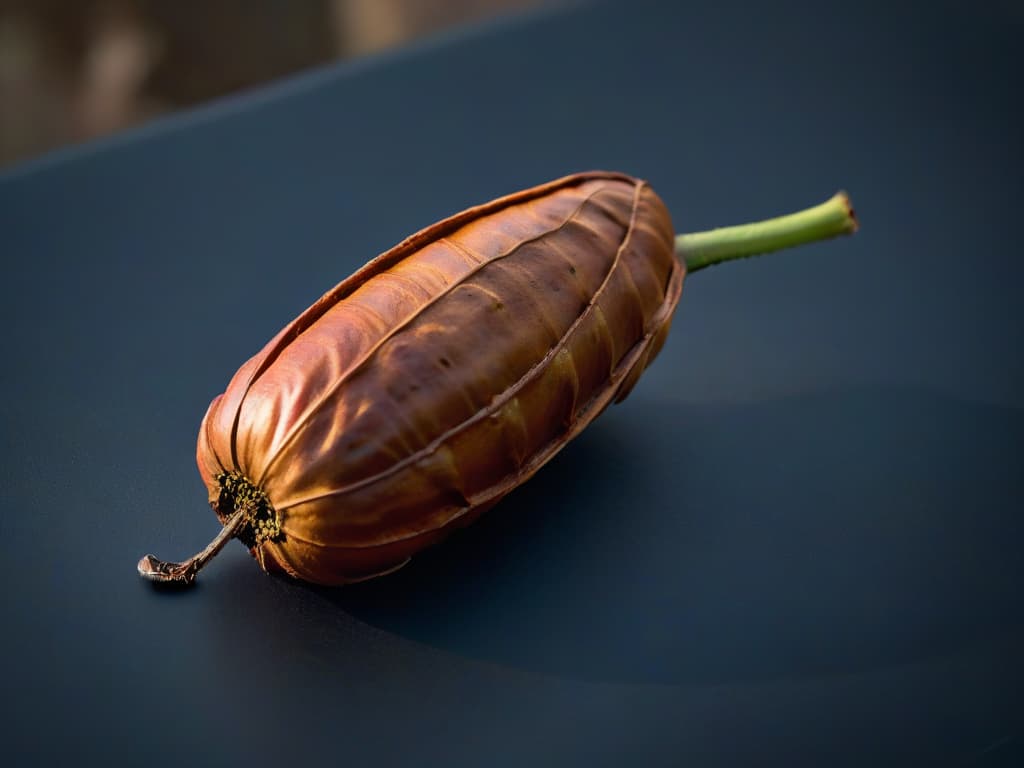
[(706, 544)]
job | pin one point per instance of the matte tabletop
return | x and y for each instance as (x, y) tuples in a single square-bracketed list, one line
[(797, 542)]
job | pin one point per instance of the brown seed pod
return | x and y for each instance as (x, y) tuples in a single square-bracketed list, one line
[(443, 374)]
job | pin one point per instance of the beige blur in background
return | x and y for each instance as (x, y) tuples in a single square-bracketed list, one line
[(71, 70)]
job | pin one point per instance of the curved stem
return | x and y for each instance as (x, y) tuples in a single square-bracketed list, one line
[(184, 574), (704, 249)]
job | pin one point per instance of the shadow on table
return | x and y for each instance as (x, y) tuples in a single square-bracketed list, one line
[(823, 534)]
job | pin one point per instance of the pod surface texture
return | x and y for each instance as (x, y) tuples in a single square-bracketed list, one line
[(444, 373)]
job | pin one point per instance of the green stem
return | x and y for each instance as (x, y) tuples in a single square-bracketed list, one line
[(704, 249)]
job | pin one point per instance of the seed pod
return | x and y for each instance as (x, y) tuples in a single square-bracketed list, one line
[(443, 374)]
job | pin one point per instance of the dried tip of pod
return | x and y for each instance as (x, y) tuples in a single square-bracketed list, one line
[(248, 516), (157, 570)]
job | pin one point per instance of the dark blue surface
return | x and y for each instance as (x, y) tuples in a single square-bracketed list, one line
[(798, 541)]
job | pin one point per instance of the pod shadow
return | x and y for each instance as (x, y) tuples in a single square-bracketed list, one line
[(705, 544)]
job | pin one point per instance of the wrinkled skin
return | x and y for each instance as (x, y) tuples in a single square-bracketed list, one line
[(444, 373)]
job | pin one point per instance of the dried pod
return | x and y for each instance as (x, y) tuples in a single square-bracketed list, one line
[(444, 373)]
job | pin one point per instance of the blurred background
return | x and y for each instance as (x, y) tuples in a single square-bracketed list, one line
[(72, 70)]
